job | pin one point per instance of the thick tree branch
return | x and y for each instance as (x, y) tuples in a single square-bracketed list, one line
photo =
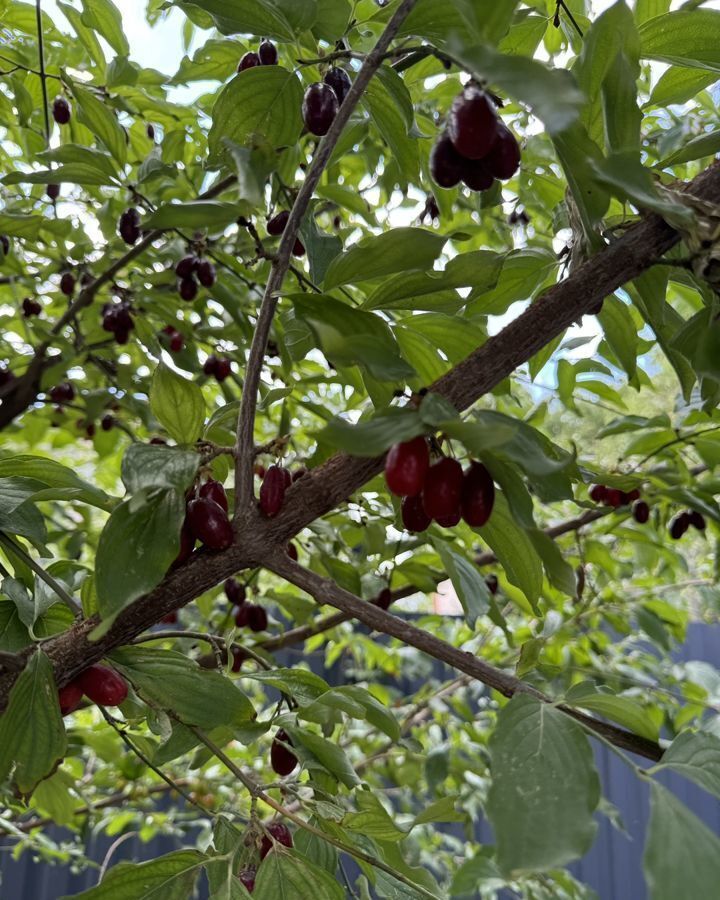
[(246, 418), (326, 591)]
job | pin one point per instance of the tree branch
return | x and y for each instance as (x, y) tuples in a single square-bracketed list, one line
[(248, 404)]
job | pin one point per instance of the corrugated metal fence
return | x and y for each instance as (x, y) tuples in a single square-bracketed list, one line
[(613, 867)]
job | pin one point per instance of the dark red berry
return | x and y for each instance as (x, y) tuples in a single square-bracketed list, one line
[(209, 523), (223, 368), (319, 108), (90, 430), (631, 496), (282, 760), (640, 511), (235, 591), (67, 283), (598, 493), (292, 551), (339, 81), (31, 307), (150, 131), (279, 833), (613, 497), (503, 159), (406, 466), (446, 165), (476, 176), (103, 685), (249, 61), (257, 617), (129, 226), (53, 191), (107, 422), (299, 473), (5, 244), (451, 520), (472, 123), (158, 440), (384, 598), (186, 266), (287, 476), (414, 517), (62, 393), (210, 364), (238, 658), (242, 615), (70, 697), (187, 538), (169, 619), (247, 876), (678, 525), (696, 519), (206, 273), (61, 110), (298, 248), (478, 495), (6, 376), (267, 51), (188, 288), (272, 491), (276, 225), (213, 490), (491, 582), (442, 488)]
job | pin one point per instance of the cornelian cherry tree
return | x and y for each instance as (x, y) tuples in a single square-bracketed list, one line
[(279, 361)]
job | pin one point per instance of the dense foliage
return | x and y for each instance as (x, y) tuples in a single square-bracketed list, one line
[(217, 317)]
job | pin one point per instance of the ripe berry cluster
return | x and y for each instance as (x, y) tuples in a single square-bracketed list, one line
[(266, 55), (680, 523), (322, 100), (190, 270), (246, 615), (118, 320), (477, 147), (31, 307), (206, 520), (677, 526), (98, 683), (276, 832), (219, 366), (441, 491), (173, 338)]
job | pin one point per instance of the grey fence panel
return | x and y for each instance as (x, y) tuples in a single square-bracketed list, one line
[(613, 867)]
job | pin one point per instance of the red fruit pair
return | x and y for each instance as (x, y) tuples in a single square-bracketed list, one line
[(267, 55), (100, 684), (219, 366), (276, 481), (174, 338), (31, 307), (680, 523), (252, 616), (275, 227), (614, 497), (118, 320)]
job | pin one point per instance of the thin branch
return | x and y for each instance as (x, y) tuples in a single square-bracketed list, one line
[(248, 404), (43, 77), (54, 585)]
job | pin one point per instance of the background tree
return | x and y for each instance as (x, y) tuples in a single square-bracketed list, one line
[(218, 318)]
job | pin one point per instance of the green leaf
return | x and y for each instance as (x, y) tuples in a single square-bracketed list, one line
[(303, 686), (100, 118), (624, 710), (399, 250), (20, 226), (560, 573), (256, 17), (32, 734), (321, 248), (172, 877), (265, 101), (479, 872), (253, 166), (683, 38), (373, 819), (551, 94), (105, 18), (358, 703), (544, 788), (523, 272), (332, 19), (215, 60), (577, 151), (285, 874), (388, 101), (682, 855), (72, 173), (696, 755), (54, 475), (136, 548), (678, 85), (178, 404), (169, 680), (313, 749), (469, 584), (212, 214), (53, 796), (371, 437), (154, 466), (620, 333), (13, 633), (697, 148)]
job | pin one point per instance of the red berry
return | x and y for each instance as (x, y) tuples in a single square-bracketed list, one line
[(280, 833), (598, 493), (503, 159), (292, 551), (451, 520), (103, 685), (150, 131), (107, 422), (476, 176), (446, 164), (53, 191), (384, 598), (442, 489), (188, 288), (169, 619), (158, 440), (129, 226), (70, 697), (31, 307), (206, 273), (472, 123), (319, 108), (210, 364), (272, 491), (215, 491), (249, 61), (299, 473), (613, 497), (238, 658), (242, 615), (186, 266), (223, 368), (478, 495), (696, 519), (62, 393), (631, 496), (406, 466), (267, 52), (492, 583), (257, 617), (678, 525), (247, 877), (209, 523), (298, 248), (339, 81), (276, 225), (414, 517), (640, 511), (282, 760), (235, 591), (67, 283), (177, 342), (61, 110)]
